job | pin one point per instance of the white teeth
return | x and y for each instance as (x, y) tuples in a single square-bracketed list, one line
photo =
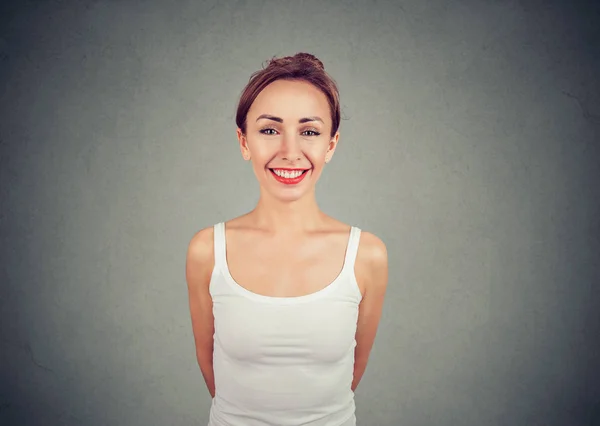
[(286, 174)]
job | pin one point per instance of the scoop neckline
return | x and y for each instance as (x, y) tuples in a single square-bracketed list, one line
[(283, 299)]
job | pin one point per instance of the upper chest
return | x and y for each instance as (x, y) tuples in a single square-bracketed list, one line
[(285, 268)]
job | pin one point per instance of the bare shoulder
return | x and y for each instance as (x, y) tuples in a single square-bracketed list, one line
[(372, 250), (201, 244), (371, 266), (200, 256)]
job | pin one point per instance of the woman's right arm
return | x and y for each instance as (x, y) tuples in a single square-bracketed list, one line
[(198, 270)]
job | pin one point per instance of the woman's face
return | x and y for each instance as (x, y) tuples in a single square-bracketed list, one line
[(288, 138)]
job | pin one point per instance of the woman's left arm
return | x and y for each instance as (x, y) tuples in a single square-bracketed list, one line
[(372, 275)]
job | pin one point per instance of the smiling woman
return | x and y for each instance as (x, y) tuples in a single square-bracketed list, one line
[(285, 301)]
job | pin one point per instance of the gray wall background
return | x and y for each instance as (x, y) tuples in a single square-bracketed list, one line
[(470, 144)]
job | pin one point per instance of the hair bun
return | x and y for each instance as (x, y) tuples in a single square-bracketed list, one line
[(298, 58), (302, 56)]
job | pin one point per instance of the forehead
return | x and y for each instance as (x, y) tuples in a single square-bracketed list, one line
[(293, 99)]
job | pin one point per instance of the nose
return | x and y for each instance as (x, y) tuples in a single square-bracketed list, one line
[(290, 148)]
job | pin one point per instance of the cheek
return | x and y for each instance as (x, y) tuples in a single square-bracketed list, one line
[(316, 153), (261, 154)]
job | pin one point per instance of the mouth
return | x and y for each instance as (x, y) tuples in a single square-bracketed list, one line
[(289, 176)]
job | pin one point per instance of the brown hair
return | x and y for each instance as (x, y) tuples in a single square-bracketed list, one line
[(300, 67)]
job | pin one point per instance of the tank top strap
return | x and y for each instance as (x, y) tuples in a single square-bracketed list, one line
[(352, 248), (219, 245)]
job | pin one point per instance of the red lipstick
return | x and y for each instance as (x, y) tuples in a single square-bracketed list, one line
[(289, 181)]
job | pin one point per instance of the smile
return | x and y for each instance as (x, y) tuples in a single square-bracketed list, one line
[(289, 176)]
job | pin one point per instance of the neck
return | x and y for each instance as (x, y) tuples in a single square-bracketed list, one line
[(293, 217)]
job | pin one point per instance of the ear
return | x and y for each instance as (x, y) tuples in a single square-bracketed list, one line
[(331, 147), (243, 144)]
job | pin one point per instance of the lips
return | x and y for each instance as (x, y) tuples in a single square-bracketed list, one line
[(291, 180)]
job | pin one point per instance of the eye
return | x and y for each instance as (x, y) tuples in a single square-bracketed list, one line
[(311, 133), (267, 131)]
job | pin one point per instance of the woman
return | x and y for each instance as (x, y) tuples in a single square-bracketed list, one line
[(285, 301)]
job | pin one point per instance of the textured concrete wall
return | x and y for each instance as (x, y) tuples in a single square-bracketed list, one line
[(470, 144)]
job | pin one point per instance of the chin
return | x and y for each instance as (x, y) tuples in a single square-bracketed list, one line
[(288, 196)]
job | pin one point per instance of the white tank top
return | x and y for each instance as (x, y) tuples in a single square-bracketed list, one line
[(284, 361)]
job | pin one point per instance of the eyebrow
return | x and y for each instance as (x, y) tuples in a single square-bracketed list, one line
[(280, 120)]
